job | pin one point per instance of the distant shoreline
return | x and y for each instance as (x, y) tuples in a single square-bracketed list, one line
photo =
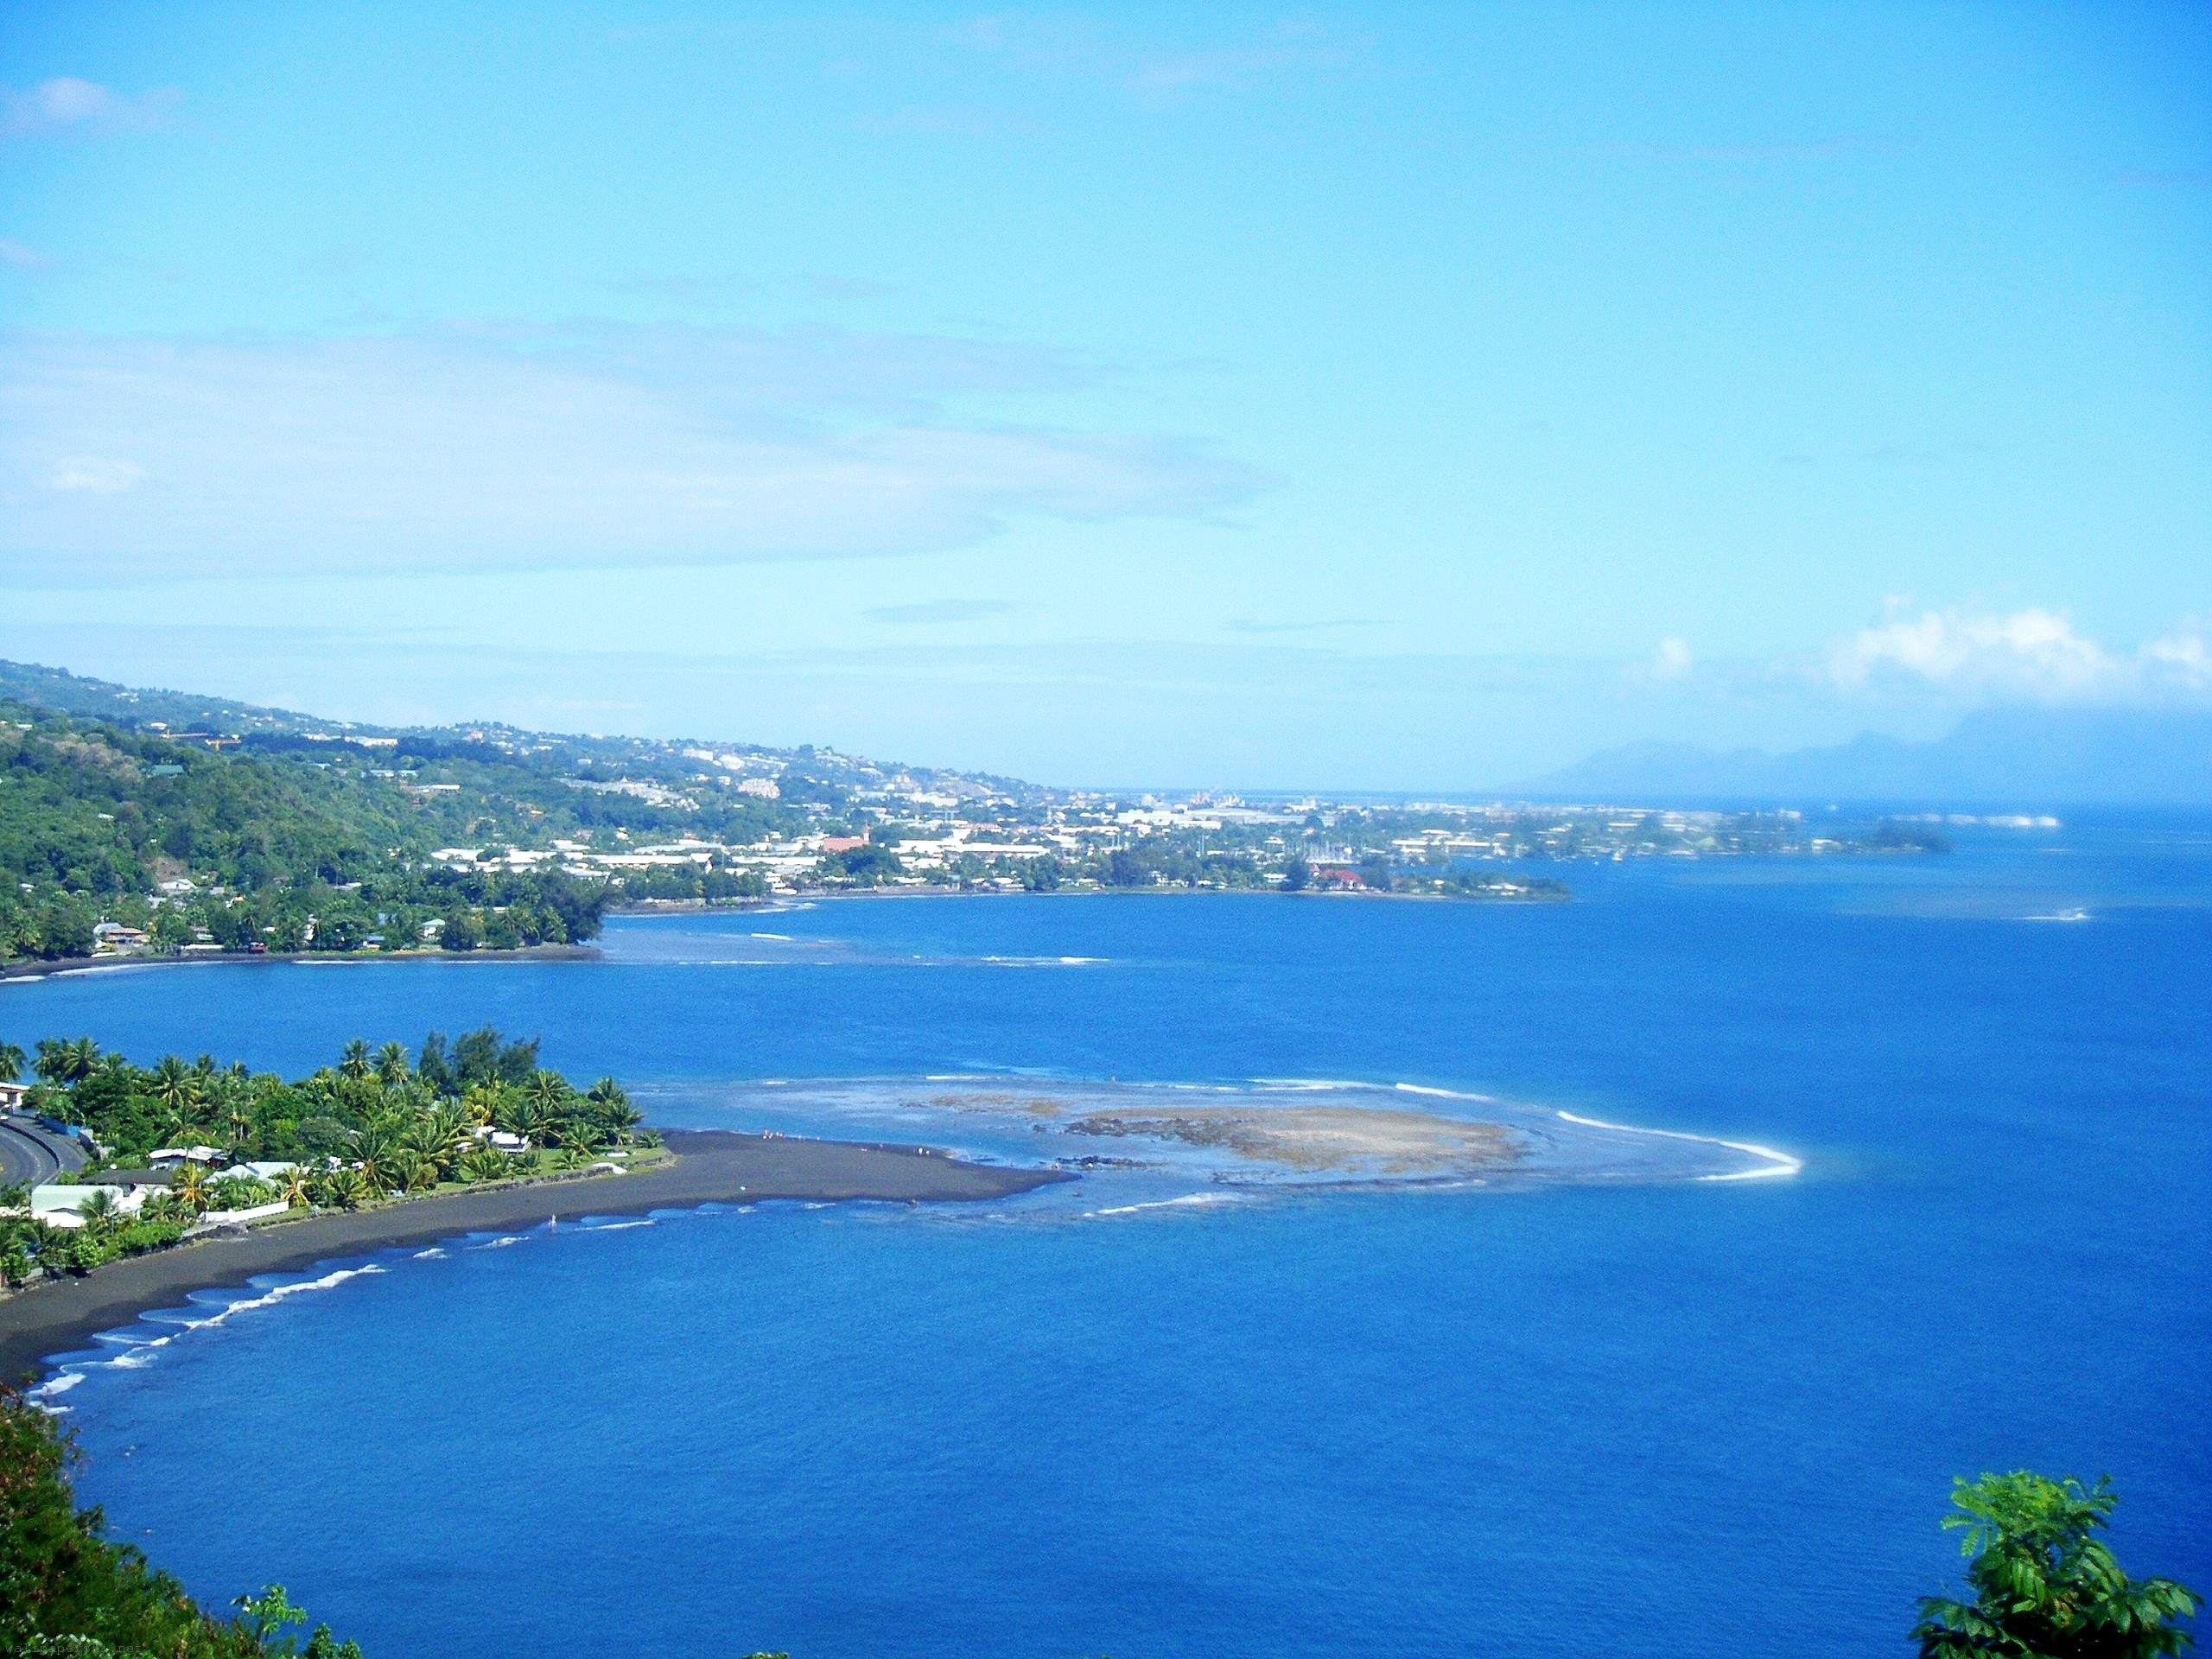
[(786, 901), (710, 1167), (43, 968)]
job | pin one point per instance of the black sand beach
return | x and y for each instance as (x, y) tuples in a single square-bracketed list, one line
[(710, 1167)]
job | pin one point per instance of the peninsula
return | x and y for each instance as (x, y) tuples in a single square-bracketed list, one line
[(147, 1182), (706, 1167)]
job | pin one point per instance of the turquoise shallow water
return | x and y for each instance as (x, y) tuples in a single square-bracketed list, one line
[(1652, 1418)]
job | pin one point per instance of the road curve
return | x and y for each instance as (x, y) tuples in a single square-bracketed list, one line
[(28, 1154)]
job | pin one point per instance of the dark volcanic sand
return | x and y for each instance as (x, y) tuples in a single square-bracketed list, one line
[(711, 1167)]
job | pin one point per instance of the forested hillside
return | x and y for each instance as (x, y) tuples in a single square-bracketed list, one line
[(248, 848), (216, 825)]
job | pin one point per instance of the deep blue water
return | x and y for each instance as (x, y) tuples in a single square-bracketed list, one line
[(1644, 1420)]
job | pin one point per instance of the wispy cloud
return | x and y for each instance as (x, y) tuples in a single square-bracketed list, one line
[(936, 611), (92, 475), (19, 257), (523, 447), (2031, 654), (66, 104), (1286, 46), (1147, 67), (1246, 625)]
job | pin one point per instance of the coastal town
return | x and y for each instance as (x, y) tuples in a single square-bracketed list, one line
[(893, 831), (119, 816)]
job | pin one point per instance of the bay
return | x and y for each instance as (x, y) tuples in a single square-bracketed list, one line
[(1639, 1418)]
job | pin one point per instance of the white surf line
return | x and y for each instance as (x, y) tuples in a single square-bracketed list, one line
[(1168, 1204), (1448, 1094), (135, 1355), (1781, 1162)]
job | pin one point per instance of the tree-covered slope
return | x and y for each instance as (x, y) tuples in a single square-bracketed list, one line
[(245, 847)]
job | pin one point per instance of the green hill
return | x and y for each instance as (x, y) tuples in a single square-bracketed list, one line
[(246, 848)]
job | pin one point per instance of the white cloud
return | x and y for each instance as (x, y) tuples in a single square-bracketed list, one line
[(1671, 660), (22, 259), (2184, 656), (66, 103), (94, 475), (595, 445), (2032, 654)]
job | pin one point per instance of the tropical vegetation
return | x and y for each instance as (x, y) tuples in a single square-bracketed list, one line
[(2046, 1585), (378, 1123), (242, 850)]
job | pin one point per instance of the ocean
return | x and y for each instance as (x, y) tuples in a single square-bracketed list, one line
[(1624, 1409)]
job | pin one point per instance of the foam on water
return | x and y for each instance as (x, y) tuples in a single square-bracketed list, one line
[(139, 1348), (1130, 1139)]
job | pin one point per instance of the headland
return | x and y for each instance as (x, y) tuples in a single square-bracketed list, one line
[(710, 1167)]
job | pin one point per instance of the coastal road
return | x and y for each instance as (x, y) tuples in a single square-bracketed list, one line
[(32, 1154)]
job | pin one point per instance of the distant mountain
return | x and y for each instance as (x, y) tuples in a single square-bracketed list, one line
[(2013, 757)]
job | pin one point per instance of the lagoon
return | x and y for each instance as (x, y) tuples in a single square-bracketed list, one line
[(1641, 1417)]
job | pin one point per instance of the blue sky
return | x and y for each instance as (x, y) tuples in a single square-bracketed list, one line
[(1377, 397)]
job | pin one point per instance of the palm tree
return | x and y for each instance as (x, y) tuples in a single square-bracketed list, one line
[(353, 1060), (453, 1128), (486, 1102), (298, 1179), (176, 1085), (435, 1138), (189, 1188), (614, 1106), (579, 1133), (523, 1118), (162, 1206), (392, 1065), (548, 1091), (380, 1152), (101, 1209), (347, 1188), (67, 1060), (483, 1163), (11, 1063)]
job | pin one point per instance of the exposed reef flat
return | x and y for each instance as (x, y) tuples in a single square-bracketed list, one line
[(1314, 1138), (710, 1167)]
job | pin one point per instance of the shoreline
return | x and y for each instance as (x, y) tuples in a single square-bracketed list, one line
[(41, 968), (710, 1167), (789, 900)]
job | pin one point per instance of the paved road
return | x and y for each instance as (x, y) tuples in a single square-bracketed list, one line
[(29, 1153)]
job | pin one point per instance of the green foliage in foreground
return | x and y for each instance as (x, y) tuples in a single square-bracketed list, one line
[(66, 1590), (2046, 1585)]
